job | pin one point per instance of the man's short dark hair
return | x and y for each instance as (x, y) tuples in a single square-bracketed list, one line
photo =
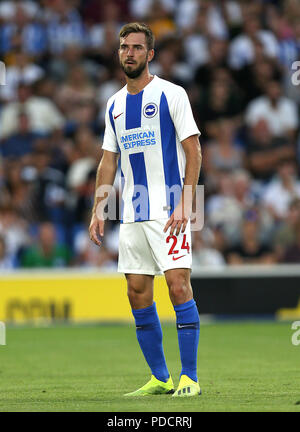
[(136, 27)]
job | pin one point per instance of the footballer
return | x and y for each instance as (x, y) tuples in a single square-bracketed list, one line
[(149, 125)]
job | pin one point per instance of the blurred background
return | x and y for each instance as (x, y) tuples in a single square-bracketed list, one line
[(235, 60)]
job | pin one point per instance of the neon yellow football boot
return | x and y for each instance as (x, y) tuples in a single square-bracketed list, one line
[(187, 387), (154, 387)]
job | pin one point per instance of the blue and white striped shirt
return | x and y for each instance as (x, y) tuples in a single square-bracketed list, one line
[(147, 129)]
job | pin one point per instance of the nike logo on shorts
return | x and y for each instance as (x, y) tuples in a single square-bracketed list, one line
[(177, 258), (115, 117)]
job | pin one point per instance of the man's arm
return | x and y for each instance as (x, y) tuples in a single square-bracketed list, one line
[(106, 173), (179, 218)]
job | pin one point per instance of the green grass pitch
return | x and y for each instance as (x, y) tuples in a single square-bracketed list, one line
[(242, 367)]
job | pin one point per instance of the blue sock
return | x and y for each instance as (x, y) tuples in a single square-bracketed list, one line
[(188, 330), (149, 335)]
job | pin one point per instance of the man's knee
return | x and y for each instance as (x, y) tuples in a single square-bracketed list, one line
[(138, 288), (134, 291), (180, 288)]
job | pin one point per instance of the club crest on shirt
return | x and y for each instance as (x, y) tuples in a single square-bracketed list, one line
[(150, 110)]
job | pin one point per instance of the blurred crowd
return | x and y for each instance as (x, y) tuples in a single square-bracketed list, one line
[(235, 58)]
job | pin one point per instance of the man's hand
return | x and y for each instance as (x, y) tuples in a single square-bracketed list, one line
[(179, 218), (106, 173), (96, 229)]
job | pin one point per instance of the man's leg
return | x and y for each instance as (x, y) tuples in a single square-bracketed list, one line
[(187, 320), (149, 333), (139, 290)]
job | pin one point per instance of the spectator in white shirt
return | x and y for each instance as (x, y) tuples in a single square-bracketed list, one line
[(205, 249), (242, 52), (43, 115), (279, 111), (22, 71), (284, 188)]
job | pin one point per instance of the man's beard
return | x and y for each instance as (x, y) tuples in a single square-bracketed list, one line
[(136, 72)]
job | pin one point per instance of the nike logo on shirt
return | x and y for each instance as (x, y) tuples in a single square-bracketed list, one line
[(115, 117)]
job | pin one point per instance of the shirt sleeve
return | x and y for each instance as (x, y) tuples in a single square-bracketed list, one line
[(182, 115), (110, 139)]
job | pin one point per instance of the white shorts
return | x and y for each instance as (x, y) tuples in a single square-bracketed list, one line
[(144, 248)]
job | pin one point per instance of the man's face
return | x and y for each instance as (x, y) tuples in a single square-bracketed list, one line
[(273, 90), (23, 93), (134, 55), (287, 170), (47, 235), (249, 230)]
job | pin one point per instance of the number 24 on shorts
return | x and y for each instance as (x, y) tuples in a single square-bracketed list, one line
[(185, 244)]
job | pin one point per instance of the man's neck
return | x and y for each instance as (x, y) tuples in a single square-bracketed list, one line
[(135, 85)]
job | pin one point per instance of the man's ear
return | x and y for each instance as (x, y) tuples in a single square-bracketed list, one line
[(150, 55)]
